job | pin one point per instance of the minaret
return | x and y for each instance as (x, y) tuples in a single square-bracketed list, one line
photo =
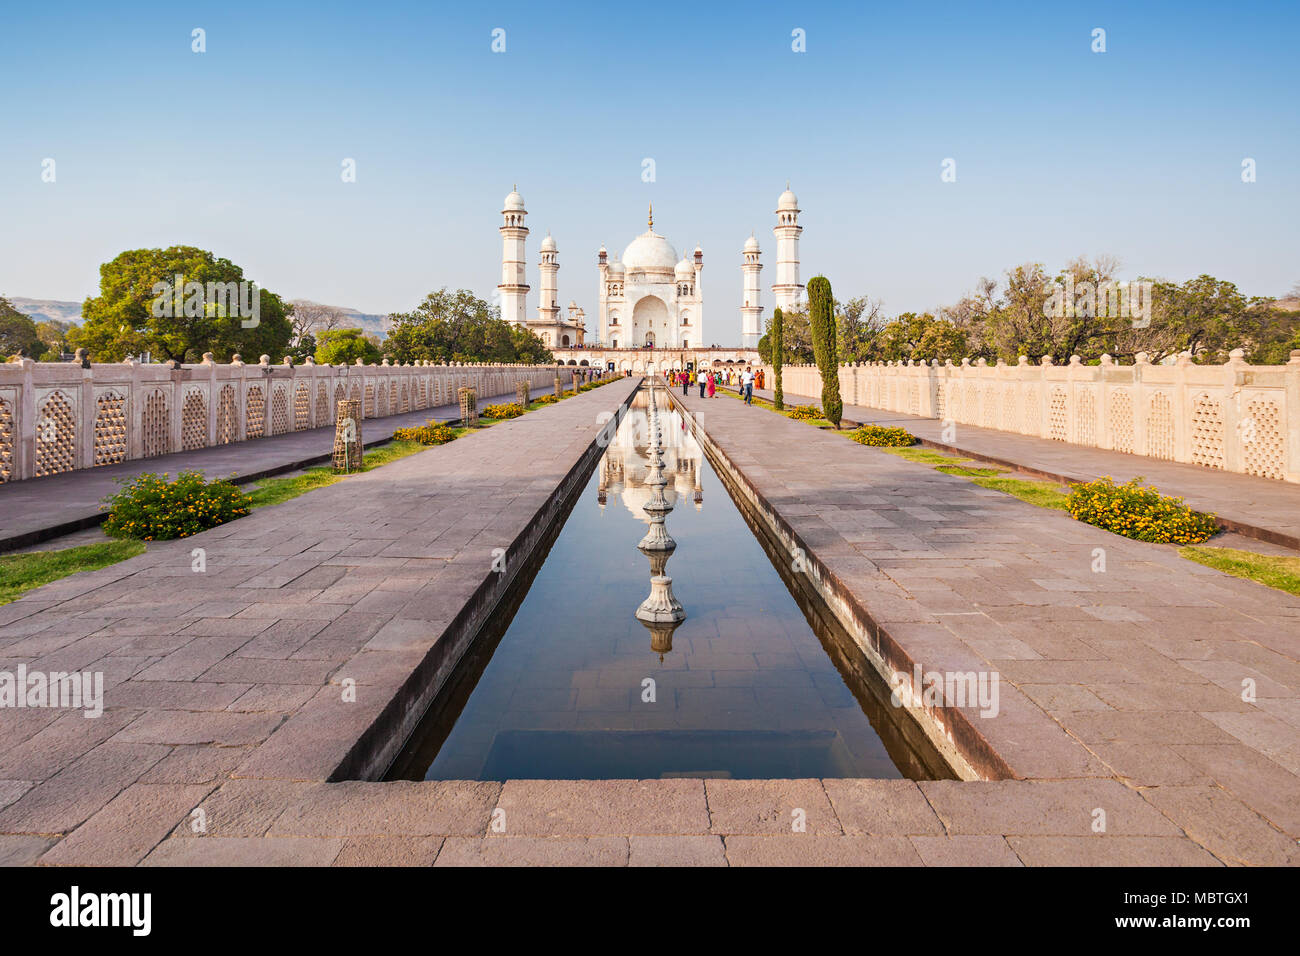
[(548, 308), (787, 290), (751, 313), (514, 277), (699, 295)]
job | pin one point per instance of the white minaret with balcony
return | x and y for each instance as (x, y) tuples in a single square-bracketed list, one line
[(514, 277), (751, 313), (787, 290), (548, 306)]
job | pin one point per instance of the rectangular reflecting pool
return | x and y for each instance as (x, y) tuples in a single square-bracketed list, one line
[(587, 673)]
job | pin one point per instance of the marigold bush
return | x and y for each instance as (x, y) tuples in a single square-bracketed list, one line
[(502, 411), (430, 433), (546, 399), (883, 436), (805, 412), (151, 508), (1140, 512)]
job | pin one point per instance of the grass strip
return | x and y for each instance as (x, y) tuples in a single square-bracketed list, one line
[(20, 573), (1271, 570), (274, 491)]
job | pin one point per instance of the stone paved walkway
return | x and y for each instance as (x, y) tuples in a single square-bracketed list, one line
[(1133, 675), (1261, 508), (1122, 691), (42, 508), (244, 670)]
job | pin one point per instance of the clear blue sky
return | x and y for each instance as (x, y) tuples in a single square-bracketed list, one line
[(1135, 152)]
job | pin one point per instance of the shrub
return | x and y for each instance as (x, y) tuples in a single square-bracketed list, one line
[(502, 411), (430, 433), (1140, 512), (547, 399), (777, 338), (151, 508), (805, 413), (821, 321), (883, 436)]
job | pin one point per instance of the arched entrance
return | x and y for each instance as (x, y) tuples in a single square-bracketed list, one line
[(649, 321)]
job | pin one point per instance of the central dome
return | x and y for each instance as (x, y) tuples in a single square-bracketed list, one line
[(650, 252)]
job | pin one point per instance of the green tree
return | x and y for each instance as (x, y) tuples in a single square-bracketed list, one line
[(18, 333), (130, 314), (777, 332), (460, 327), (858, 324), (821, 317), (921, 338), (53, 334), (345, 346), (796, 339)]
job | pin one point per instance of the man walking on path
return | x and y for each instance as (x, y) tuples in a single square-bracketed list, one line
[(703, 379), (747, 381), (686, 382)]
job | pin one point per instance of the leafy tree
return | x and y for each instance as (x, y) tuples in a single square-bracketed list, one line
[(859, 320), (777, 333), (921, 338), (1205, 316), (796, 338), (345, 346), (122, 319), (301, 347), (53, 334), (18, 333), (821, 316), (312, 318), (460, 327)]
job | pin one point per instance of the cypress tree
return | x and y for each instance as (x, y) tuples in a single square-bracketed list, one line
[(776, 339), (821, 318)]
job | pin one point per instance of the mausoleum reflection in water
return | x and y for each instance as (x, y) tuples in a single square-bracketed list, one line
[(717, 672)]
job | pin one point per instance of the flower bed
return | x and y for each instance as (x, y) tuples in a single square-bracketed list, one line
[(1140, 512), (883, 436), (151, 508), (430, 433)]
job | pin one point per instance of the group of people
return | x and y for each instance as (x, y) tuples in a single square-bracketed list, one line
[(709, 380)]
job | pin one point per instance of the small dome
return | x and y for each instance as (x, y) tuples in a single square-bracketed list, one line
[(617, 267), (548, 244), (751, 245), (650, 252), (514, 201), (787, 200), (685, 269)]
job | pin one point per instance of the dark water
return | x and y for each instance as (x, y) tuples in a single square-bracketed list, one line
[(743, 687)]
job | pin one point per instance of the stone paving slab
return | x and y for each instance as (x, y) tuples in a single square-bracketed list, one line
[(601, 823), (41, 508), (1258, 507)]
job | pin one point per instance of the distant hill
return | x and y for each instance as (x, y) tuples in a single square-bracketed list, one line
[(42, 309)]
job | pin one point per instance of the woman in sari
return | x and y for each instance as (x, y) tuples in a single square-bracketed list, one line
[(711, 386)]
